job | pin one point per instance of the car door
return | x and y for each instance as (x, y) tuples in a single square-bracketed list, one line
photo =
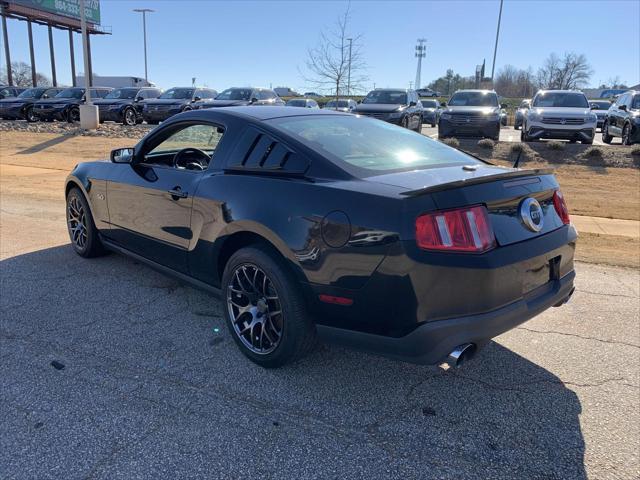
[(150, 201), (616, 116)]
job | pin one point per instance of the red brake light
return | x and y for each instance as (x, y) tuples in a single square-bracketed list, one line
[(461, 230), (561, 207)]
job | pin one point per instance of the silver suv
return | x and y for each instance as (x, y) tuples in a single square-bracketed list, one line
[(562, 114)]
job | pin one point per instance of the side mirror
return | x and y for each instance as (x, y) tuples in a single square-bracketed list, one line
[(412, 104), (138, 99), (443, 104), (122, 155), (254, 100), (196, 98), (622, 107), (503, 105)]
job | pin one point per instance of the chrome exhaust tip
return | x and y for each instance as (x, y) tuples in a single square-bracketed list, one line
[(460, 354)]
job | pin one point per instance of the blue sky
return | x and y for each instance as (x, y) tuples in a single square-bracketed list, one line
[(264, 43)]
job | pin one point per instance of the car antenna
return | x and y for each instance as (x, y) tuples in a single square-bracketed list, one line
[(517, 162)]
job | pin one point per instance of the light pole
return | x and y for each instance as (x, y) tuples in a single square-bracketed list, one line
[(421, 52), (144, 12), (88, 111), (349, 72), (495, 49)]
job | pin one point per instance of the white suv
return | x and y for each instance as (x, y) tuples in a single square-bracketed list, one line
[(562, 114)]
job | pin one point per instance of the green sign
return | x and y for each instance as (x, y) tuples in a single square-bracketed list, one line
[(65, 8)]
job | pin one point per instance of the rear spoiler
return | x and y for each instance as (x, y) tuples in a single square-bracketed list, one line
[(477, 180)]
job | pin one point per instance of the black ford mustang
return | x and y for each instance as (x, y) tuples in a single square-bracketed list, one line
[(319, 223)]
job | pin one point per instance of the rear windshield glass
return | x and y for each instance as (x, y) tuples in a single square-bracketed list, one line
[(429, 103), (366, 147), (561, 99), (340, 104), (474, 99), (297, 103), (386, 96)]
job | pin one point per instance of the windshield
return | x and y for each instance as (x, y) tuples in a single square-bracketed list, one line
[(71, 93), (32, 93), (474, 99), (339, 104), (636, 101), (429, 103), (235, 94), (369, 147), (123, 93), (297, 103), (561, 100), (392, 97), (178, 93)]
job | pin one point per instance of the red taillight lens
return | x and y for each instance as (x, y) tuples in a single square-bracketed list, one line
[(460, 230), (561, 207)]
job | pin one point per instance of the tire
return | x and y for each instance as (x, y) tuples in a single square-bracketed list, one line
[(73, 115), (129, 117), (404, 122), (523, 134), (419, 126), (82, 231), (255, 278), (30, 116), (606, 138), (626, 134), (433, 125)]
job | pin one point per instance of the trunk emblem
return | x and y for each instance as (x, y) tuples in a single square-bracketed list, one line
[(531, 214)]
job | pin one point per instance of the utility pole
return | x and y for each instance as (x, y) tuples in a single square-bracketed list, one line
[(495, 49), (88, 111), (144, 12), (349, 72), (421, 52)]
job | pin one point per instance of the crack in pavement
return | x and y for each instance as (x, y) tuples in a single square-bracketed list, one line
[(588, 292), (601, 340)]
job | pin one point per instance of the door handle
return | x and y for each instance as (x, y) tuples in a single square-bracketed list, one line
[(177, 193)]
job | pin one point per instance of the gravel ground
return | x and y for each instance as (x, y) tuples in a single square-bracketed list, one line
[(107, 129)]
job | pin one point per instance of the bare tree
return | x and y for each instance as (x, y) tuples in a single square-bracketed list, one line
[(569, 72), (336, 64), (21, 74), (514, 82), (614, 82)]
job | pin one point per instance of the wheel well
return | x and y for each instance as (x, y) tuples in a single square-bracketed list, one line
[(241, 240), (68, 188)]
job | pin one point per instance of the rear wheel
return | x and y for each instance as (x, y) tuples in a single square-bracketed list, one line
[(626, 134), (266, 313), (606, 138), (82, 231)]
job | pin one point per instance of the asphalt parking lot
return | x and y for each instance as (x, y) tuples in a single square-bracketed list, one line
[(111, 370), (507, 134)]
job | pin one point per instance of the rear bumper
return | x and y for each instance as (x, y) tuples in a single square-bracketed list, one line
[(431, 343)]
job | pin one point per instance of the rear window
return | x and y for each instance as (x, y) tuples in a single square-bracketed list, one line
[(561, 99), (366, 147), (429, 104)]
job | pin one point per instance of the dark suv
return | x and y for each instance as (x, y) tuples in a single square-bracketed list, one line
[(9, 92), (21, 107), (471, 113), (173, 101), (623, 119), (66, 104), (124, 105), (393, 105), (238, 96)]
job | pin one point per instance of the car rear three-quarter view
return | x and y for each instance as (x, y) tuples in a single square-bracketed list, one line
[(314, 223)]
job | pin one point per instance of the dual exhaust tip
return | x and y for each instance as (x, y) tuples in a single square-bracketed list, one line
[(460, 355)]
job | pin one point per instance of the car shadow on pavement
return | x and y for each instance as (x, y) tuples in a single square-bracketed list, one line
[(46, 144), (146, 366)]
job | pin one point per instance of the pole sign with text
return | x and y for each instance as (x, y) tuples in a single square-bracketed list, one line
[(64, 8)]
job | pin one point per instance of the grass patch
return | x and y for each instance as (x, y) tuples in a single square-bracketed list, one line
[(554, 145), (593, 152), (608, 249), (452, 142), (486, 143)]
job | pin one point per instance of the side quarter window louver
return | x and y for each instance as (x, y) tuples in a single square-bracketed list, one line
[(257, 151)]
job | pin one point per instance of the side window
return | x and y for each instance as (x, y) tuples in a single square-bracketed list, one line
[(208, 94), (622, 100), (201, 136), (262, 95)]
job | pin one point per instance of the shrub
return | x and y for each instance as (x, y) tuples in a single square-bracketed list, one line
[(452, 142), (555, 145), (593, 152), (486, 143)]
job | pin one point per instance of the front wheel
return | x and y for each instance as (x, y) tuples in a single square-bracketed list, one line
[(626, 135), (129, 117), (606, 138), (82, 231), (266, 313), (73, 115), (419, 125), (30, 116)]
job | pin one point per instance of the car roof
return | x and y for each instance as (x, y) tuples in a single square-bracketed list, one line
[(559, 91), (264, 113), (476, 90)]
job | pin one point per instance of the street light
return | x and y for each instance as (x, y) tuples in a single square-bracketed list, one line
[(144, 12), (421, 52)]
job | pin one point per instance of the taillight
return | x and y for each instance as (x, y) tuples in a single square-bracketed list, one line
[(561, 207), (460, 230)]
